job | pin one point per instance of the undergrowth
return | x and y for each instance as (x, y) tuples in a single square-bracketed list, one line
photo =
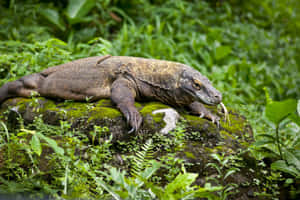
[(244, 47)]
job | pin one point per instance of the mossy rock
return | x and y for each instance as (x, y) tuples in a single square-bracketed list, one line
[(202, 138), (85, 115)]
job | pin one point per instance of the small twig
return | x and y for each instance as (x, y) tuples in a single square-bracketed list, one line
[(115, 17)]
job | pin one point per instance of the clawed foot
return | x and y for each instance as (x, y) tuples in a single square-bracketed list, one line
[(208, 115), (199, 109), (133, 118)]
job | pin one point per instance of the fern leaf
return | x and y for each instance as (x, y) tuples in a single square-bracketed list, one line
[(142, 158)]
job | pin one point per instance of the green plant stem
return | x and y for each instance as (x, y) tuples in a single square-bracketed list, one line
[(278, 142)]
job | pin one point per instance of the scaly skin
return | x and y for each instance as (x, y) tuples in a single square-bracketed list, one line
[(124, 80)]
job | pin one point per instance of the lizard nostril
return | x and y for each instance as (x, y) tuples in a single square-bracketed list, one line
[(219, 97)]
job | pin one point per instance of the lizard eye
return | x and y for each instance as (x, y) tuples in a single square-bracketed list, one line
[(197, 84)]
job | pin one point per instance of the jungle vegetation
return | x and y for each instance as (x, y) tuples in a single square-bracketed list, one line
[(249, 49)]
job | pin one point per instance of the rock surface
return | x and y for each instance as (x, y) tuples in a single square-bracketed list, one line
[(202, 137)]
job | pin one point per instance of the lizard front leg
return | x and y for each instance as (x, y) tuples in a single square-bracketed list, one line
[(199, 109), (123, 94)]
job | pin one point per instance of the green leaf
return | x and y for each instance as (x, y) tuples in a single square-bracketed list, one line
[(271, 137), (282, 166), (277, 110), (52, 143), (298, 107), (36, 145), (149, 171), (289, 181), (222, 52), (207, 192), (230, 171), (77, 9), (5, 129), (292, 159), (295, 118), (181, 182), (53, 16), (206, 57), (107, 188), (263, 142)]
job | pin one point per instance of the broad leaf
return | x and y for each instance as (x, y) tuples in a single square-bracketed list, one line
[(53, 16), (282, 166), (270, 137), (181, 182), (36, 145), (263, 142), (222, 52), (295, 118), (277, 110), (77, 9), (292, 159)]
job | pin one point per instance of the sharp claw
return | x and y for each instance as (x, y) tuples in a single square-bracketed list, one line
[(131, 130), (127, 117)]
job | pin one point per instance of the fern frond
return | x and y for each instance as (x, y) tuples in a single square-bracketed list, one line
[(141, 159)]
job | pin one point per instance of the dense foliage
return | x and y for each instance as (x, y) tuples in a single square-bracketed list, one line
[(249, 49)]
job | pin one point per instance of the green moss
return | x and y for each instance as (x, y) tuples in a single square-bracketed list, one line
[(150, 107), (219, 149), (236, 124), (109, 103), (158, 118), (223, 148), (49, 105), (21, 103), (138, 105), (74, 109), (194, 120), (190, 155), (104, 102), (226, 135), (103, 112)]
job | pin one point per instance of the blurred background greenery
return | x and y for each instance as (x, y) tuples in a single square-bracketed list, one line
[(247, 48), (243, 46)]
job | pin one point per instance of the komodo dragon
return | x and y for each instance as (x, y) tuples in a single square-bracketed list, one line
[(123, 79)]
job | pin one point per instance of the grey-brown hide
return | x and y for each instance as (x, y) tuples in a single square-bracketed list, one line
[(152, 79), (123, 79)]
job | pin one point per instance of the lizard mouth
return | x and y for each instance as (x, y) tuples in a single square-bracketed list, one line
[(199, 97), (203, 100)]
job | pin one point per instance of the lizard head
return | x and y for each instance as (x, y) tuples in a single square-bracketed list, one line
[(199, 87)]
